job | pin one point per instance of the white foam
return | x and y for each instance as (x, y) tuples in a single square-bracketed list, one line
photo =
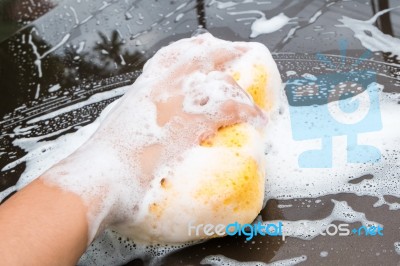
[(200, 85), (283, 165), (42, 153), (282, 206), (80, 47), (309, 76), (23, 131), (204, 92), (397, 247), (324, 254), (309, 229), (221, 260), (92, 99), (55, 88), (228, 4), (370, 36), (179, 17), (263, 25), (37, 94), (315, 16)]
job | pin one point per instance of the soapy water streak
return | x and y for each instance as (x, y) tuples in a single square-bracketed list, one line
[(39, 57), (370, 36), (220, 260)]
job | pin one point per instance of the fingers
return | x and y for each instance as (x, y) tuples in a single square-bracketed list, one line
[(238, 105), (218, 98), (237, 112), (199, 90)]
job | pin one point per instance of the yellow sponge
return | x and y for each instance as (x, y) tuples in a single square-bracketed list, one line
[(241, 178)]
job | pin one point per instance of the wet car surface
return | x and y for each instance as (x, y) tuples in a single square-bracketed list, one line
[(58, 54)]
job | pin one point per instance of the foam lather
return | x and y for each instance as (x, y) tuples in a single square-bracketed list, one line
[(222, 180)]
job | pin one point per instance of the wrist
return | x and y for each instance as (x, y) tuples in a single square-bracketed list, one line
[(34, 220), (93, 173)]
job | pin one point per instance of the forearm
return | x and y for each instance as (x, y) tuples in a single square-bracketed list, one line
[(43, 225)]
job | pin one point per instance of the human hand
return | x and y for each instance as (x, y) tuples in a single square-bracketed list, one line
[(172, 107)]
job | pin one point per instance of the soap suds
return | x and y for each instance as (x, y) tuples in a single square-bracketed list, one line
[(92, 99), (332, 180), (207, 84), (324, 254), (220, 260), (370, 36), (309, 229), (265, 26), (262, 25), (397, 247)]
